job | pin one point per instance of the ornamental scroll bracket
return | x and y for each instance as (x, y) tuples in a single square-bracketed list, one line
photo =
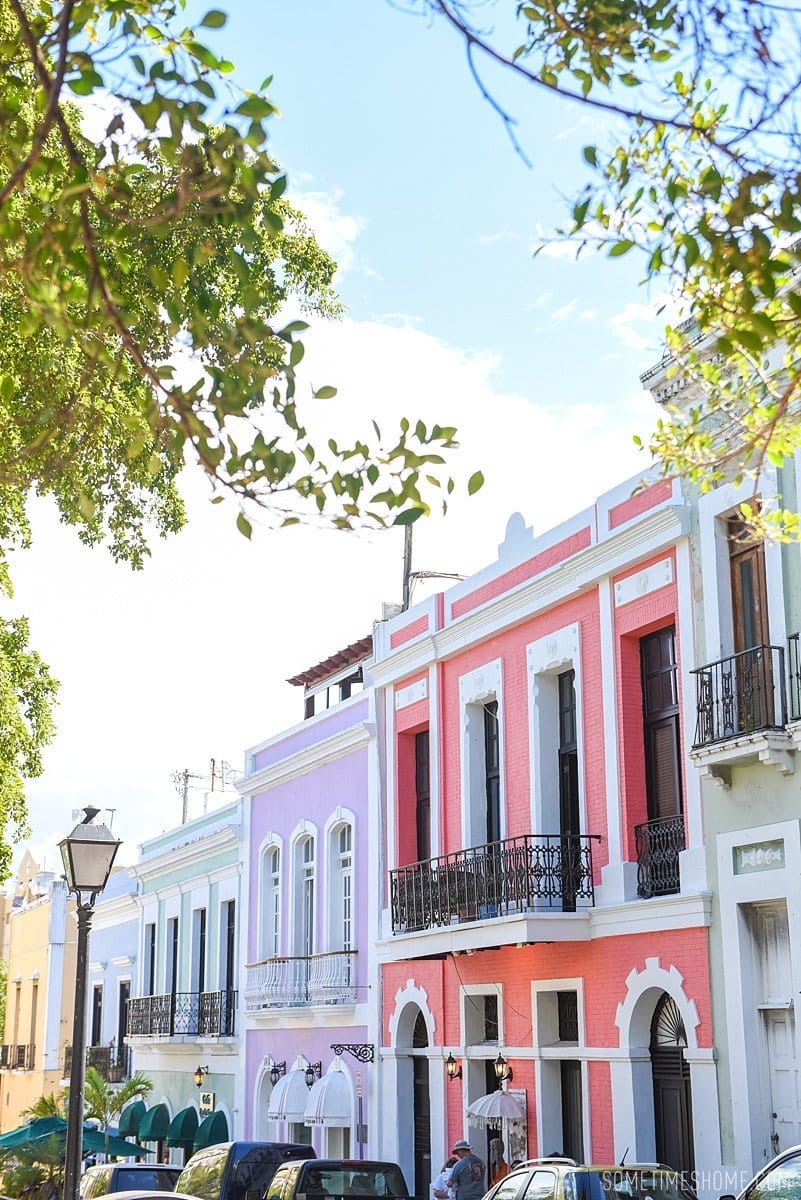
[(364, 1052)]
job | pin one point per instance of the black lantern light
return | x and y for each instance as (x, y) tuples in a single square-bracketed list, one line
[(503, 1072), (276, 1071), (313, 1071), (453, 1068), (200, 1073)]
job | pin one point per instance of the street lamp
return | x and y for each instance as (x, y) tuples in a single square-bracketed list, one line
[(88, 855)]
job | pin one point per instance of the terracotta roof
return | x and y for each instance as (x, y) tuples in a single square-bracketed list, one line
[(355, 653)]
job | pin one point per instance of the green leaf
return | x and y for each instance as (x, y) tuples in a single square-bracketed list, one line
[(408, 516), (475, 483), (214, 19), (244, 526), (325, 393), (619, 248), (591, 155)]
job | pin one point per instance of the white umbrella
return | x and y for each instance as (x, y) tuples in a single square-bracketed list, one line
[(494, 1108)]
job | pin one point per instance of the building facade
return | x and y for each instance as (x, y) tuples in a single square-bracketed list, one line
[(747, 697), (40, 993), (113, 945), (182, 1023), (310, 1007), (544, 900)]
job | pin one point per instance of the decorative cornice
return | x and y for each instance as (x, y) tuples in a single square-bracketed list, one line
[(308, 759), (198, 850), (633, 542)]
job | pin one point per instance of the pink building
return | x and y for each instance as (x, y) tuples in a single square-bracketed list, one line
[(544, 907)]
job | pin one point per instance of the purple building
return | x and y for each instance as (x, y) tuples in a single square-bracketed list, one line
[(309, 1023)]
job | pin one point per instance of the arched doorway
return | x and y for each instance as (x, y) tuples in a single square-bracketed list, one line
[(673, 1111), (422, 1109)]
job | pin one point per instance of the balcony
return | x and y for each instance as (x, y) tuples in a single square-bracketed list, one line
[(114, 1065), (742, 709), (17, 1058), (305, 981), (518, 877), (187, 1015), (659, 843)]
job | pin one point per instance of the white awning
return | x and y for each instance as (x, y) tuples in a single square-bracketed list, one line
[(328, 1102), (288, 1099)]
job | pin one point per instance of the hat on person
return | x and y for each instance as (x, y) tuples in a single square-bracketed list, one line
[(462, 1145)]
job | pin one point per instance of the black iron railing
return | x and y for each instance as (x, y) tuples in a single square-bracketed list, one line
[(175, 1014), (659, 843), (794, 676), (521, 874), (17, 1058), (742, 694), (113, 1064)]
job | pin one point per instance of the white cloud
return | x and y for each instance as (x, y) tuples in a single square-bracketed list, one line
[(504, 235), (561, 314), (335, 230), (185, 660)]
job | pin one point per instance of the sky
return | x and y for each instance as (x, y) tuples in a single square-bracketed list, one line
[(409, 179)]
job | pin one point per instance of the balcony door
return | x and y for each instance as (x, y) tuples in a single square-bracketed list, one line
[(569, 814), (661, 838), (422, 786), (492, 770), (753, 675)]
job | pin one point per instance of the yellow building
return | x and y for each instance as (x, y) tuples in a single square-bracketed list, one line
[(42, 935)]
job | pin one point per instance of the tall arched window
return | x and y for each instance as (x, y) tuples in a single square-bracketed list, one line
[(307, 879), (273, 914), (343, 927)]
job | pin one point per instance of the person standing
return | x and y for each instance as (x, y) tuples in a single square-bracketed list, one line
[(467, 1177), (441, 1187)]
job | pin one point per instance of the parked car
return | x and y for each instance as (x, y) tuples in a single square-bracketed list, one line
[(125, 1176), (564, 1179), (780, 1179), (337, 1177), (236, 1170)]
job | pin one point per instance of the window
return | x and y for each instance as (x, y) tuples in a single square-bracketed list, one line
[(492, 770), (149, 978), (305, 924), (172, 955), (781, 1183), (97, 1015), (345, 888), (228, 945), (567, 1016), (122, 1018), (660, 702), (199, 950), (272, 909), (481, 1018), (332, 692), (541, 1186), (422, 787)]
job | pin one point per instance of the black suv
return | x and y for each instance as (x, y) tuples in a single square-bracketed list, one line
[(321, 1178), (236, 1170), (126, 1176)]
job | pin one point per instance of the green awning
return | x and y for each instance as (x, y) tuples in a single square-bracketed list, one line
[(183, 1128), (212, 1130), (131, 1118), (155, 1124)]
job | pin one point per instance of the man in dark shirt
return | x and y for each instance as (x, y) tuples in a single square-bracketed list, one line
[(467, 1177)]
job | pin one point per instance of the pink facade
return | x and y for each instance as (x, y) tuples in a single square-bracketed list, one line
[(543, 899)]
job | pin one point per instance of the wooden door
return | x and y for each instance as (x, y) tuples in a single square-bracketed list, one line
[(752, 680)]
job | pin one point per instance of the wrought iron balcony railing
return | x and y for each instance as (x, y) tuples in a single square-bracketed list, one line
[(17, 1058), (742, 694), (301, 981), (659, 843), (794, 676), (182, 1014), (521, 874), (113, 1064)]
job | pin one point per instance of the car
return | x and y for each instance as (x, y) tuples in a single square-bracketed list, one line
[(564, 1179), (103, 1178), (324, 1177), (236, 1170), (780, 1179)]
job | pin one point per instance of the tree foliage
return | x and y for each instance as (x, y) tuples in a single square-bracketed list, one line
[(147, 281), (700, 172), (104, 1101)]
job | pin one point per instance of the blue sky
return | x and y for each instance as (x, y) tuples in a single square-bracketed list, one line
[(410, 180)]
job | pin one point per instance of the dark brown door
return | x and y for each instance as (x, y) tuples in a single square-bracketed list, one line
[(660, 702), (422, 781), (572, 1109), (569, 816), (673, 1110), (752, 678)]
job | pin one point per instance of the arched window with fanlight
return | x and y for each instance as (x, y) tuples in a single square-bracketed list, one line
[(342, 923), (270, 936), (305, 888)]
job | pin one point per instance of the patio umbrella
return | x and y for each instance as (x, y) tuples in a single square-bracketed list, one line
[(50, 1134), (494, 1108), (39, 1128)]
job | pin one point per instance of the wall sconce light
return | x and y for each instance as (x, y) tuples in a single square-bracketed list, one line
[(503, 1072), (313, 1071), (199, 1073), (276, 1071), (453, 1068)]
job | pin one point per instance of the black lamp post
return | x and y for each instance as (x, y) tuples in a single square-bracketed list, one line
[(88, 854)]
